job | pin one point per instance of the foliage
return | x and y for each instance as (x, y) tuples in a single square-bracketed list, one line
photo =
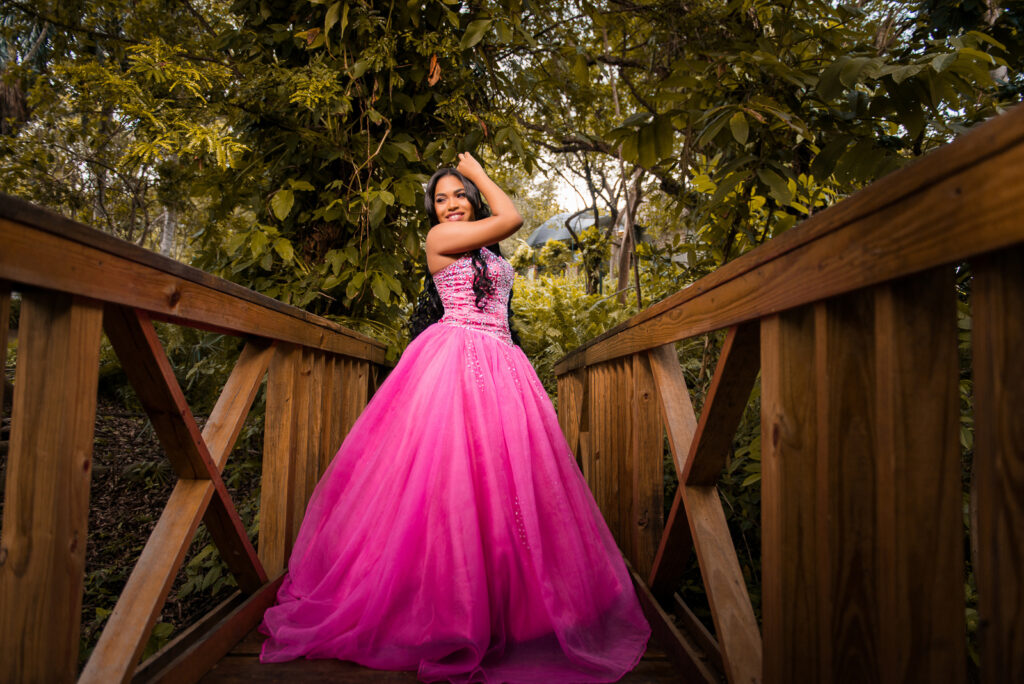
[(554, 315), (524, 257), (553, 257)]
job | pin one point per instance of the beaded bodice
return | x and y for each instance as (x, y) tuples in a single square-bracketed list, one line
[(455, 285)]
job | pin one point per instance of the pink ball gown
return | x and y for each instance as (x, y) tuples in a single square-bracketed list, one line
[(453, 533)]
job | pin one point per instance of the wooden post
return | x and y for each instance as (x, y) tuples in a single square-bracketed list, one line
[(278, 469), (646, 498), (922, 633), (998, 300), (794, 645), (46, 509), (861, 533), (5, 325)]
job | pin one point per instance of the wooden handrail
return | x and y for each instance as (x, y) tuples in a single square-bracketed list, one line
[(74, 283), (850, 320)]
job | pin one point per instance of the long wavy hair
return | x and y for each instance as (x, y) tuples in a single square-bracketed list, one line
[(429, 309)]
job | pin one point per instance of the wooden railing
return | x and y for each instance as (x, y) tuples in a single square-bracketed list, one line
[(851, 321), (74, 283)]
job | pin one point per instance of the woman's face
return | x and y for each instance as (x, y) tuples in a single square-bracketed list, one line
[(450, 201)]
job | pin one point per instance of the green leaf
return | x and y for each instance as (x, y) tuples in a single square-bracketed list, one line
[(474, 33), (299, 185), (978, 55), (333, 14), (941, 62), (281, 203), (257, 242), (580, 70), (740, 128), (284, 249), (777, 184), (380, 289), (407, 149)]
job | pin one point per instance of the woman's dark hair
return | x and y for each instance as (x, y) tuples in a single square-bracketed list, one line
[(429, 309)]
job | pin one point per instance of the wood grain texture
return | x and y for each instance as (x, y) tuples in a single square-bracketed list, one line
[(127, 629), (676, 407), (5, 317), (46, 504), (956, 202), (997, 303), (921, 634), (673, 552), (690, 661), (647, 496), (149, 371), (794, 644), (278, 469), (300, 454), (232, 407), (195, 661), (691, 625), (847, 461), (198, 299), (571, 390), (186, 639), (738, 634), (724, 405), (681, 425)]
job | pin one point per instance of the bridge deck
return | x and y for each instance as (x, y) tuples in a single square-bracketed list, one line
[(242, 665)]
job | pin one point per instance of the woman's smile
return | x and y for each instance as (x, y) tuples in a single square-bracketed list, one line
[(450, 200)]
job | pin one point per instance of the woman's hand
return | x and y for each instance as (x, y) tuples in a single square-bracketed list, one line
[(470, 167)]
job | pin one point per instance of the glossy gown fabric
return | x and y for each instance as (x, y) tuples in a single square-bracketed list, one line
[(453, 533)]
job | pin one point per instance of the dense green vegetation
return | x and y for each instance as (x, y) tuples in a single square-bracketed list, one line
[(283, 144)]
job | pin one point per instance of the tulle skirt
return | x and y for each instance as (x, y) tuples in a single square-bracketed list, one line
[(453, 534)]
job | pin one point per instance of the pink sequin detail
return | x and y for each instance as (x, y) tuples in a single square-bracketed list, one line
[(455, 285)]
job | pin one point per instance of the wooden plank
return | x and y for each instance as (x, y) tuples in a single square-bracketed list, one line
[(673, 552), (997, 302), (724, 405), (621, 481), (187, 638), (922, 633), (735, 624), (127, 630), (314, 424), (790, 606), (5, 325), (570, 407), (337, 417), (328, 408), (229, 535), (300, 456), (647, 495), (598, 383), (966, 186), (46, 504), (29, 254), (219, 434), (195, 661), (229, 414), (676, 407), (847, 461), (693, 665), (681, 425), (278, 470), (151, 376), (691, 625)]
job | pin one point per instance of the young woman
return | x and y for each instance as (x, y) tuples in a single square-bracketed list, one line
[(453, 533)]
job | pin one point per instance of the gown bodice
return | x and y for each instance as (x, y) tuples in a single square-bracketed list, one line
[(455, 285)]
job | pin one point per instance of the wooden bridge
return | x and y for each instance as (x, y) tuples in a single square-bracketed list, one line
[(849, 320)]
